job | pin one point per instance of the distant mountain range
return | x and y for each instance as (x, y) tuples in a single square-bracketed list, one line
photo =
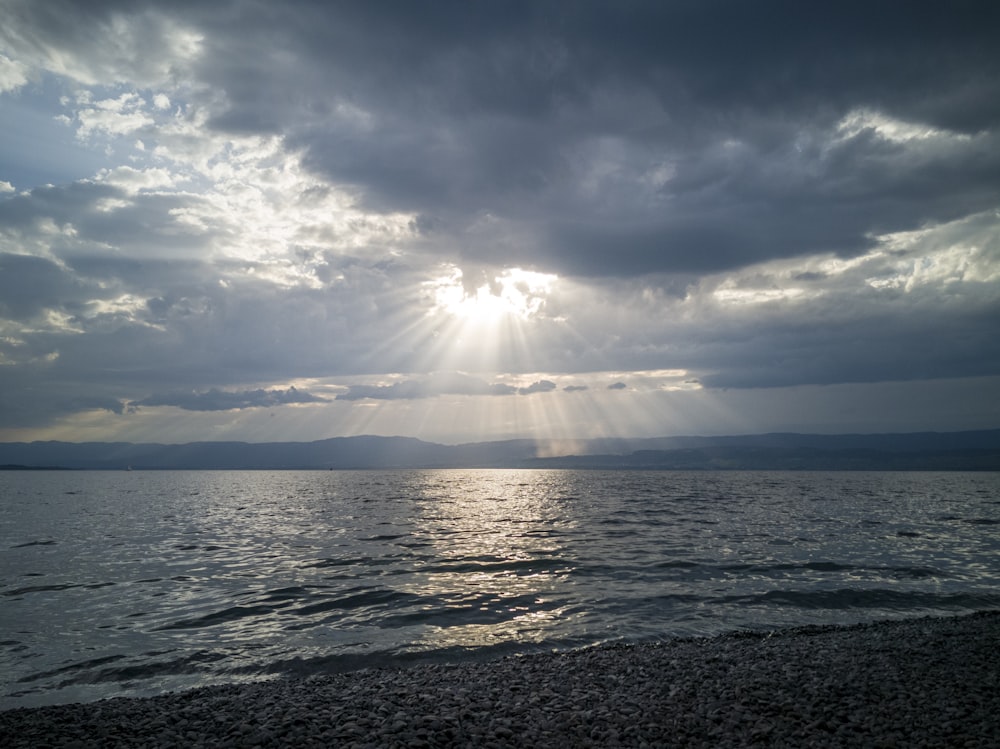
[(975, 450)]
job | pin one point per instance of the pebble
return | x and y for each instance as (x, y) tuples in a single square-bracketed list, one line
[(917, 682)]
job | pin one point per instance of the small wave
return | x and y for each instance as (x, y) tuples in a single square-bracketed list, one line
[(465, 610), (80, 665), (660, 603), (365, 598), (896, 572), (676, 564), (870, 598), (34, 543), (288, 594), (41, 589), (338, 562), (227, 615), (788, 566), (547, 564), (543, 533), (121, 669)]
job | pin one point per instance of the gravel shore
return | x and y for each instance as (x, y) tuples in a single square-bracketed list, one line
[(923, 682)]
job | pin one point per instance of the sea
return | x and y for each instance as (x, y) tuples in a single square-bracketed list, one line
[(139, 582)]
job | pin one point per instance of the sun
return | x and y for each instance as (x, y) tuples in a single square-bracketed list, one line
[(482, 320), (489, 299)]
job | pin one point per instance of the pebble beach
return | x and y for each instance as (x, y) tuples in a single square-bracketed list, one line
[(911, 683)]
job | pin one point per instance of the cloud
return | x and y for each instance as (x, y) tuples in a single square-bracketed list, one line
[(84, 403), (99, 43), (442, 383), (737, 163), (119, 116), (28, 284), (500, 388), (234, 196), (12, 74), (617, 386), (541, 386), (439, 384), (221, 400)]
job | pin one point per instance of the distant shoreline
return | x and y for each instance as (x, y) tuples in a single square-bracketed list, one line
[(919, 451)]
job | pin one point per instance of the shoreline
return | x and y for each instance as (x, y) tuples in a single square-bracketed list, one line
[(930, 681)]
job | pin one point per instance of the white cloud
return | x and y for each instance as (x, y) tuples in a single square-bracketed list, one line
[(119, 116), (891, 128), (13, 74), (131, 180)]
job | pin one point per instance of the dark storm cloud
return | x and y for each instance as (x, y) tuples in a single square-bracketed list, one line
[(107, 215), (876, 349), (784, 204), (61, 204), (28, 282), (223, 400), (461, 110), (34, 399)]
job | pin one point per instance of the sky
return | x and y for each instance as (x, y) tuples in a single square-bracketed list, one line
[(466, 221)]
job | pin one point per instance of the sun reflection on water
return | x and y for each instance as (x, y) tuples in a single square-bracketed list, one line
[(498, 562)]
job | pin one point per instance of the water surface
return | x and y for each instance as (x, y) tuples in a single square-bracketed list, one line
[(138, 582)]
